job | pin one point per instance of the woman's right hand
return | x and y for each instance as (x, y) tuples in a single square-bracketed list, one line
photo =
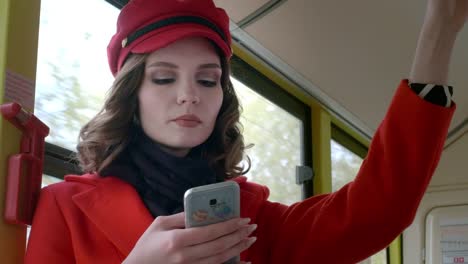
[(167, 241), (443, 21)]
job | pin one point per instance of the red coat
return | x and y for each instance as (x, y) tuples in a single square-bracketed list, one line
[(87, 219)]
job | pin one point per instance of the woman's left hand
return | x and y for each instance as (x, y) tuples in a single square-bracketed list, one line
[(451, 13)]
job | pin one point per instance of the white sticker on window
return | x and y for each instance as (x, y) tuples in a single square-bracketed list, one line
[(19, 89)]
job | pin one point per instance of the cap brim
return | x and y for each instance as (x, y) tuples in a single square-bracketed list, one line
[(162, 38)]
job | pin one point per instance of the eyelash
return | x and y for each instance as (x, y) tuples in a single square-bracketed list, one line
[(205, 83), (163, 81)]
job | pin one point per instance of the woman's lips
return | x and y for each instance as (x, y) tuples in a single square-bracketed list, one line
[(187, 121)]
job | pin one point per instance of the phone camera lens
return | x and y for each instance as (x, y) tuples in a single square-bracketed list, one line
[(212, 201)]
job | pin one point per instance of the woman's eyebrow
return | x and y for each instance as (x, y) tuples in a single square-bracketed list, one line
[(209, 66), (171, 65), (163, 64)]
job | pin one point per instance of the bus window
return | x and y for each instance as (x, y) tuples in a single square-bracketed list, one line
[(47, 180), (276, 136), (72, 71), (345, 165)]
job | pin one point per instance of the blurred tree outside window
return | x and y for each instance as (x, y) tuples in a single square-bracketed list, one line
[(345, 165), (276, 135), (72, 71)]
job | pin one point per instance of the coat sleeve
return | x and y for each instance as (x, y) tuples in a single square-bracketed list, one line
[(364, 216), (49, 241)]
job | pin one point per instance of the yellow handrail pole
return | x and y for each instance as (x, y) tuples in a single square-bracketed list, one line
[(321, 148), (19, 29), (395, 251)]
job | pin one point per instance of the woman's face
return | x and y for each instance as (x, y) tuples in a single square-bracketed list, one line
[(180, 95)]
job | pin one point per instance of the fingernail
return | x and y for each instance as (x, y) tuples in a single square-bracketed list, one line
[(252, 228), (251, 240), (244, 221)]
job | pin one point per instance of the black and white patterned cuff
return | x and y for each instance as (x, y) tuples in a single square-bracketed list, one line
[(436, 94)]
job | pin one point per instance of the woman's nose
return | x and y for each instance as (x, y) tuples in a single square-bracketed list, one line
[(188, 95)]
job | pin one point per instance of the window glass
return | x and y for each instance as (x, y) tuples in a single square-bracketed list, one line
[(379, 258), (72, 71), (345, 166), (276, 135), (47, 180)]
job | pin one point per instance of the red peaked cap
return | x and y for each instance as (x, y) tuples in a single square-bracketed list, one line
[(144, 26)]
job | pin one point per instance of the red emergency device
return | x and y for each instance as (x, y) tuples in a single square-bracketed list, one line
[(24, 169)]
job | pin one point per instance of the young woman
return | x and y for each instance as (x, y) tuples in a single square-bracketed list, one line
[(171, 123)]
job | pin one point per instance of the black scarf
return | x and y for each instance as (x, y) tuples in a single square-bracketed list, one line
[(160, 178)]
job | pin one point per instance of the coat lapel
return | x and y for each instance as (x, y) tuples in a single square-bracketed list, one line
[(117, 210)]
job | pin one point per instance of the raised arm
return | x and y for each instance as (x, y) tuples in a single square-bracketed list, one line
[(367, 214), (443, 21)]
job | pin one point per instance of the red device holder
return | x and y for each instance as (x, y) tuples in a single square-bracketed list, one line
[(24, 169)]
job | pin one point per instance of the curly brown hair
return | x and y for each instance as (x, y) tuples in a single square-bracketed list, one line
[(106, 135)]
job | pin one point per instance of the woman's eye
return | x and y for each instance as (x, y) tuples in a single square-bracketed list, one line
[(207, 83), (163, 81)]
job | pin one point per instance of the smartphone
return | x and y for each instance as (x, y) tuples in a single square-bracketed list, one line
[(210, 204)]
